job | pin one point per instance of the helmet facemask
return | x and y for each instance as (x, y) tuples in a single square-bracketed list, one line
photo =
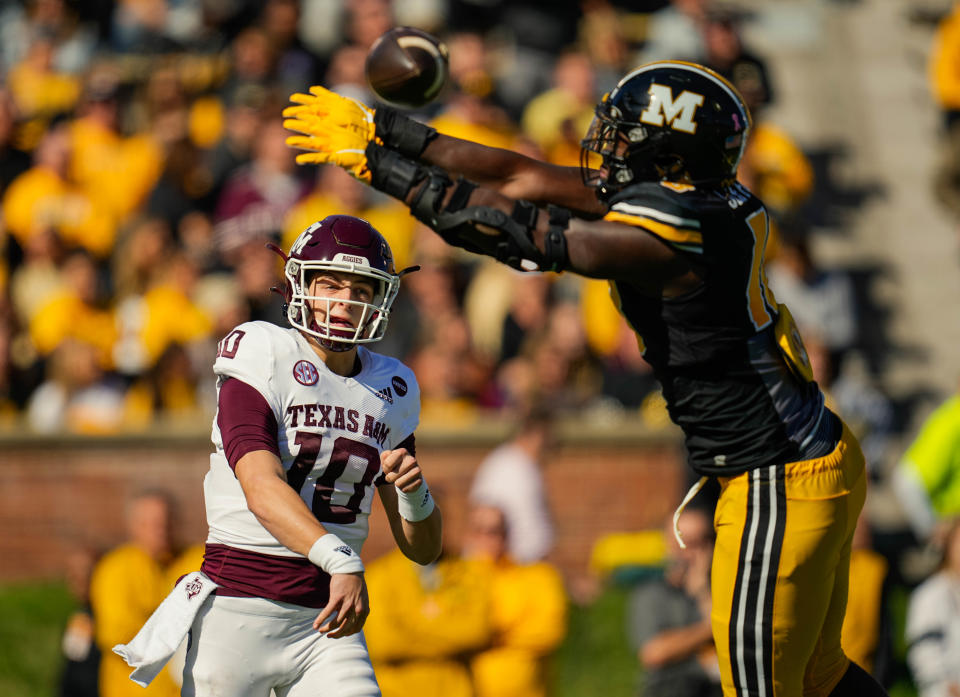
[(374, 315), (627, 152)]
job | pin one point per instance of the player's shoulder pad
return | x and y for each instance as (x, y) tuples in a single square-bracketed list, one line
[(249, 351), (403, 381), (668, 210), (398, 382)]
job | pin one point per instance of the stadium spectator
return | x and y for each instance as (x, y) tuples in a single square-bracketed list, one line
[(820, 300), (75, 310), (38, 88), (773, 165), (164, 313), (128, 584), (850, 392), (866, 636), (74, 42), (295, 65), (115, 169), (927, 478), (345, 73), (606, 35), (14, 161), (674, 32), (257, 197), (942, 70), (45, 196), (527, 315), (933, 624), (470, 110), (944, 79), (77, 396), (510, 478), (81, 668), (567, 374), (528, 609), (427, 620), (726, 54), (243, 111), (452, 377), (535, 32), (556, 118), (37, 277), (668, 618)]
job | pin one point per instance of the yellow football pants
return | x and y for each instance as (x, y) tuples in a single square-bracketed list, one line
[(780, 573)]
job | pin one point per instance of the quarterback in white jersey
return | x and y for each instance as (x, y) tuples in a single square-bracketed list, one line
[(309, 424)]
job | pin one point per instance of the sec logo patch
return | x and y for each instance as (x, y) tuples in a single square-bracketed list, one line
[(305, 373), (399, 385)]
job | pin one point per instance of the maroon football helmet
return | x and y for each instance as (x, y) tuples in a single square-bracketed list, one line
[(344, 244)]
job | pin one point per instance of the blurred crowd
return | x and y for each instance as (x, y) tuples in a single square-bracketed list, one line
[(143, 168)]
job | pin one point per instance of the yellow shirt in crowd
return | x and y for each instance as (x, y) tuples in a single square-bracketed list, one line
[(127, 586), (529, 612), (39, 199), (423, 620)]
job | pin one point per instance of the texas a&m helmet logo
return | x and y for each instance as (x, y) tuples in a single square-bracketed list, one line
[(305, 373)]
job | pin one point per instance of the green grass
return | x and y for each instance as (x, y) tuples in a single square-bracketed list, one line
[(32, 618), (595, 658)]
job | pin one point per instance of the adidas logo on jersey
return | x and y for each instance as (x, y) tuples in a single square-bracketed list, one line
[(386, 394)]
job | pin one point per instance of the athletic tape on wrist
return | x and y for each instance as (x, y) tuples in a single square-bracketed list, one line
[(401, 133), (417, 505), (334, 556)]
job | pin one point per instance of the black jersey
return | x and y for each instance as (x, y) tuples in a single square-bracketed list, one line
[(734, 374)]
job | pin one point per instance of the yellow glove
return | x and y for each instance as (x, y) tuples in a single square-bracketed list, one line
[(335, 130)]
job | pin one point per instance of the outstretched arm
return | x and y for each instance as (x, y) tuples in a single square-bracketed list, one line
[(513, 175), (338, 129), (520, 234), (502, 217)]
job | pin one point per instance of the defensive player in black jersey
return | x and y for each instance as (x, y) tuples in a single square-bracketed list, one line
[(656, 210)]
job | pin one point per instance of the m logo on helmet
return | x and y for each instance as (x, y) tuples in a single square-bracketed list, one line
[(678, 112)]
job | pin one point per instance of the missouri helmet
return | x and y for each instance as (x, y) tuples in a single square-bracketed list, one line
[(665, 120), (344, 244)]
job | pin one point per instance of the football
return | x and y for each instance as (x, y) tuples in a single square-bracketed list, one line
[(407, 67)]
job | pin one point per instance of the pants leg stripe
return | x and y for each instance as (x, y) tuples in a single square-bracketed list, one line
[(778, 495), (741, 670), (750, 628)]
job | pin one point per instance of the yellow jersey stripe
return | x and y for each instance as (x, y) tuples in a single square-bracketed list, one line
[(667, 232)]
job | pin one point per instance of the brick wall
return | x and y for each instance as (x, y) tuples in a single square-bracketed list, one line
[(59, 493)]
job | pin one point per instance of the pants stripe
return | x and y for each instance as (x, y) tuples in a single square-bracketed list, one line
[(751, 642), (737, 654), (778, 493)]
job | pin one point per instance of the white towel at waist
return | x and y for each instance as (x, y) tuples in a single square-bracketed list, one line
[(162, 633)]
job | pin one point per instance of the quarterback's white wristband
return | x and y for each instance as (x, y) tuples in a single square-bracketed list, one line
[(417, 505), (334, 556)]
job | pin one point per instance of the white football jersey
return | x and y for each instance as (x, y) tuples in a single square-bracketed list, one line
[(332, 430)]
